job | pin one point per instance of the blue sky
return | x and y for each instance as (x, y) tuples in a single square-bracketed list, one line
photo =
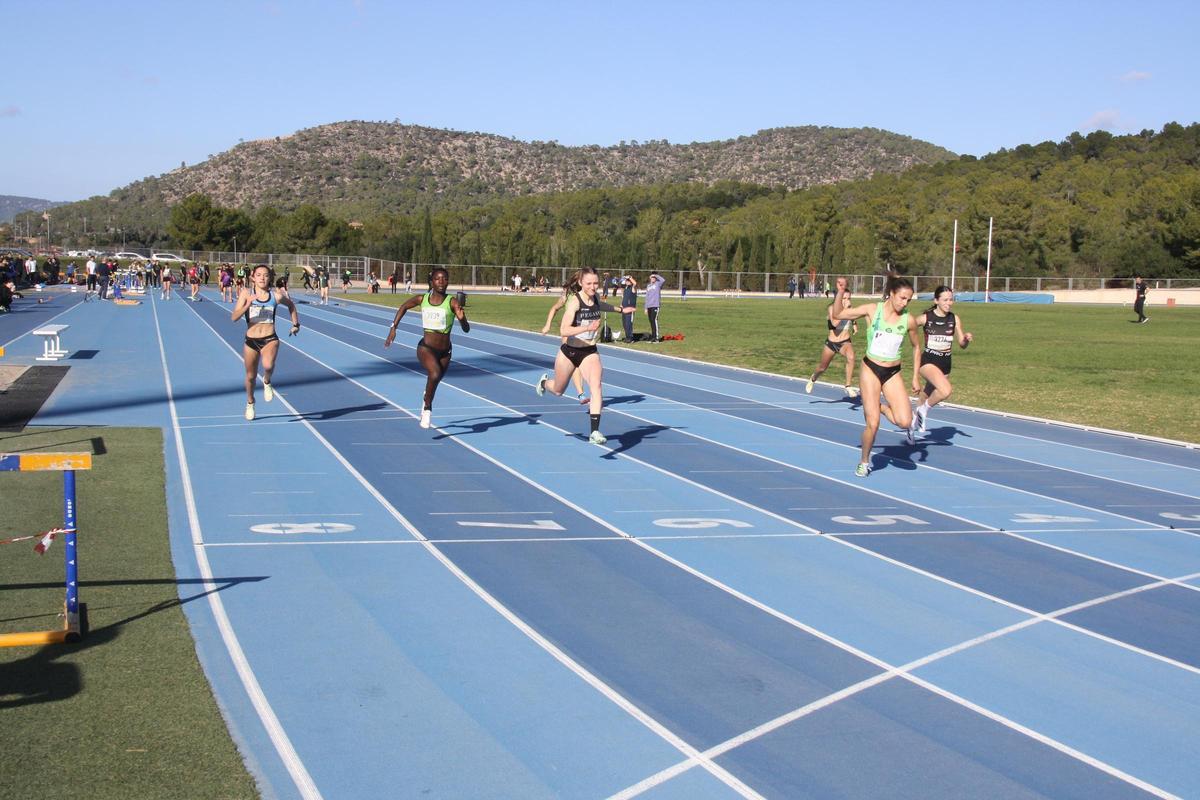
[(97, 95)]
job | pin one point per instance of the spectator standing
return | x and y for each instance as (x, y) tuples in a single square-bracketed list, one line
[(1140, 287), (393, 279), (653, 303), (103, 275), (628, 306), (791, 288), (90, 267)]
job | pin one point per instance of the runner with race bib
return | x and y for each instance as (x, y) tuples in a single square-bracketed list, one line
[(880, 372)]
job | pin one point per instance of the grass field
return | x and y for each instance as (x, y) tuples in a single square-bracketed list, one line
[(1083, 364), (127, 713)]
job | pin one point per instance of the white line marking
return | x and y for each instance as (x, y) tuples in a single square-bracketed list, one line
[(607, 691), (299, 514), (1010, 723), (279, 738)]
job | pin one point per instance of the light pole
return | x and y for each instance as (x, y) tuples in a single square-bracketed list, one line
[(235, 249)]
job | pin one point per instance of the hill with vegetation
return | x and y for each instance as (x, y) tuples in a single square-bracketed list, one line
[(354, 170), (11, 205)]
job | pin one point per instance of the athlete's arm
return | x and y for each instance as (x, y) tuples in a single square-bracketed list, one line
[(284, 299), (854, 312), (964, 338), (239, 308), (460, 314), (411, 302), (559, 303)]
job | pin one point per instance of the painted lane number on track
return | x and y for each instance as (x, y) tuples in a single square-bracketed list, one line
[(700, 522), (878, 519), (288, 528)]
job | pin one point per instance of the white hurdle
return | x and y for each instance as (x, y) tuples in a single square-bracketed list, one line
[(52, 349)]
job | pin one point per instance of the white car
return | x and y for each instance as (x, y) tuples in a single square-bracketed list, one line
[(130, 256), (168, 257)]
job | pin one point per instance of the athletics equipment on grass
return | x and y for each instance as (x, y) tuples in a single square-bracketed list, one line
[(74, 612)]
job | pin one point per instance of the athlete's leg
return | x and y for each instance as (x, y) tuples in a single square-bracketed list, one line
[(940, 383), (593, 371), (435, 369), (562, 374), (848, 353), (269, 351), (577, 379), (869, 384), (250, 360), (898, 408)]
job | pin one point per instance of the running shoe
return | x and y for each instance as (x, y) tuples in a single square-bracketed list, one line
[(541, 384), (597, 438), (268, 392), (808, 387), (249, 411), (426, 418), (852, 391), (862, 470), (908, 436), (920, 415), (584, 399)]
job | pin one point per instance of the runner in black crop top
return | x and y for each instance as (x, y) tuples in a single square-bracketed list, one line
[(580, 328), (942, 328), (258, 306)]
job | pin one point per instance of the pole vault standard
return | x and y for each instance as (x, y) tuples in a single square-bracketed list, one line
[(74, 613)]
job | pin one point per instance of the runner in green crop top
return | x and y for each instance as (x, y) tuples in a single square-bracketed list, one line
[(880, 372), (438, 312)]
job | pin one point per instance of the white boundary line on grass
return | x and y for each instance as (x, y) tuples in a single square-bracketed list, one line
[(279, 738)]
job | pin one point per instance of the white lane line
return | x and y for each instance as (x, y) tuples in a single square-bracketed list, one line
[(820, 634), (840, 508), (905, 671), (464, 513), (578, 669), (426, 472), (258, 699), (300, 514), (270, 473), (737, 471)]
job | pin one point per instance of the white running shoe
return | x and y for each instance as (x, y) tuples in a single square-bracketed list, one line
[(597, 438), (862, 470), (426, 418), (541, 384), (851, 391), (268, 392), (908, 436), (249, 411), (920, 414), (808, 387)]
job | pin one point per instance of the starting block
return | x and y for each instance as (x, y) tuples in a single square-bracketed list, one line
[(51, 342), (74, 612)]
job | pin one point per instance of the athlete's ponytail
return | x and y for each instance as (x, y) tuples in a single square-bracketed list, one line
[(938, 292)]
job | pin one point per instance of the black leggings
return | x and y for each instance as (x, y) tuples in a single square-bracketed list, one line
[(652, 314)]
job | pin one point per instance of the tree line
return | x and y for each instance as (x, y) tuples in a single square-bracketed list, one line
[(1086, 206)]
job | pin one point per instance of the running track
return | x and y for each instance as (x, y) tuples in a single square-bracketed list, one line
[(711, 605)]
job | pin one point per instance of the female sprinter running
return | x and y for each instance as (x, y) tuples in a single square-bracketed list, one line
[(438, 312), (568, 289), (579, 328), (880, 372), (258, 305), (837, 341), (942, 329)]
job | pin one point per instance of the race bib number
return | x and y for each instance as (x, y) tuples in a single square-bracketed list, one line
[(940, 343), (886, 345), (433, 318), (259, 314)]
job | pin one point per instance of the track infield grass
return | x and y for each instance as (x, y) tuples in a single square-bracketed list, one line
[(127, 712), (1084, 364)]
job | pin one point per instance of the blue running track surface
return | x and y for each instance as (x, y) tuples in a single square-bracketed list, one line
[(709, 605)]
